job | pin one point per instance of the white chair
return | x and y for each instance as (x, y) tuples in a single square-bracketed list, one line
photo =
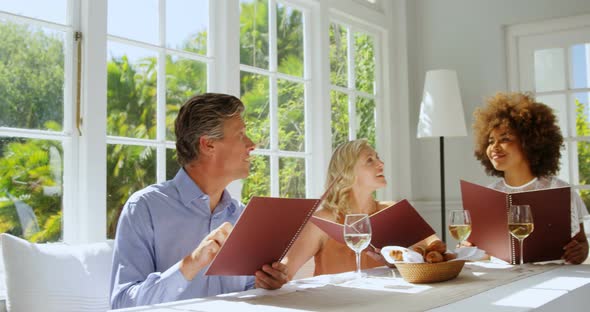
[(56, 276)]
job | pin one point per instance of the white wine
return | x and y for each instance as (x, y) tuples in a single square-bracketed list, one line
[(357, 242), (460, 232), (521, 230)]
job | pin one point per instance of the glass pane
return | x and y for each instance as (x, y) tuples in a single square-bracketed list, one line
[(364, 60), (184, 78), (131, 94), (585, 194), (581, 65), (558, 103), (258, 181), (53, 11), (254, 94), (584, 162), (187, 25), (254, 33), (291, 116), (134, 19), (338, 55), (339, 102), (290, 40), (31, 188), (172, 165), (581, 101), (31, 77), (549, 70), (365, 118), (129, 169), (292, 177)]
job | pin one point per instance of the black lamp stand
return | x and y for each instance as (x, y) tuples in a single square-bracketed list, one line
[(442, 190)]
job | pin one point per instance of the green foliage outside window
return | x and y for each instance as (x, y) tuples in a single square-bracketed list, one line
[(583, 129), (31, 97)]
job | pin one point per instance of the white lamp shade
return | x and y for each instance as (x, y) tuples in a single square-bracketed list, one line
[(441, 110)]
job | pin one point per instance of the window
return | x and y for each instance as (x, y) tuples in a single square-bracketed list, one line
[(156, 59), (85, 123), (352, 84), (273, 86), (36, 83), (552, 59)]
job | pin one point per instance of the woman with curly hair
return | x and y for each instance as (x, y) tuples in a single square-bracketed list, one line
[(358, 172), (518, 140)]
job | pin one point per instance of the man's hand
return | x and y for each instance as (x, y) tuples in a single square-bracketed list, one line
[(271, 276), (205, 252)]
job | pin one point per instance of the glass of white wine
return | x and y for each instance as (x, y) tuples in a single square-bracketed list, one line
[(520, 224), (357, 235), (460, 224)]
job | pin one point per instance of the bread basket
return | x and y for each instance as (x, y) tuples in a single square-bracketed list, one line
[(422, 273)]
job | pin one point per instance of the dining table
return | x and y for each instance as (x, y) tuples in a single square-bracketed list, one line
[(480, 286)]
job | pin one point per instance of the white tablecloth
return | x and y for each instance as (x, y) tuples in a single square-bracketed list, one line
[(480, 287)]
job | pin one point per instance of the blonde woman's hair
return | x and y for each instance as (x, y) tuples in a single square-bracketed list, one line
[(341, 168)]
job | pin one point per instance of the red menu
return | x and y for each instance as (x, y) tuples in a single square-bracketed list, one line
[(397, 225), (262, 235), (489, 222)]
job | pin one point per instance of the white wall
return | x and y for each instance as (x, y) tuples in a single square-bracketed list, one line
[(467, 36)]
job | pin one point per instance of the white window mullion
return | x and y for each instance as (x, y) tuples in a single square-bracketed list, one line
[(273, 97), (70, 85), (574, 176), (272, 35), (274, 138), (351, 80), (161, 97), (89, 224), (308, 99), (70, 145)]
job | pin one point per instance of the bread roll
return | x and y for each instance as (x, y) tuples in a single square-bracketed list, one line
[(397, 255), (434, 257), (450, 256), (437, 245), (419, 249)]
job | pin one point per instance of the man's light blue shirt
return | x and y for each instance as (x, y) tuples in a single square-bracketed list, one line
[(158, 227)]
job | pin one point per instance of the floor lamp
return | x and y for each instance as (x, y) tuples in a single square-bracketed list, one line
[(441, 115)]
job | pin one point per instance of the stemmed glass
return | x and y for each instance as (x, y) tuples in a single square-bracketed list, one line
[(520, 224), (357, 235), (459, 224)]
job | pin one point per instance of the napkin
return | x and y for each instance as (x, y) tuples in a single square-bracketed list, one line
[(408, 255), (469, 253)]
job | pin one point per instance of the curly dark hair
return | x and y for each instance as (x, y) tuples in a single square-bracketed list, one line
[(532, 122)]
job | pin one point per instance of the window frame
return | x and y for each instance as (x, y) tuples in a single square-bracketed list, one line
[(521, 39), (273, 75), (68, 137), (84, 163), (350, 90), (380, 96)]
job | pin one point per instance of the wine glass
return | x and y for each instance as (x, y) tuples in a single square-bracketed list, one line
[(460, 224), (357, 235), (520, 224)]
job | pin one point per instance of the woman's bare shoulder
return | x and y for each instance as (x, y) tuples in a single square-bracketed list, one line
[(325, 214)]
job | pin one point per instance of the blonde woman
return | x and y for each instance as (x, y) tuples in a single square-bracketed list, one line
[(359, 173)]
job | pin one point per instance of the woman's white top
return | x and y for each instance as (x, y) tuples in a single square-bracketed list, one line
[(578, 209)]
